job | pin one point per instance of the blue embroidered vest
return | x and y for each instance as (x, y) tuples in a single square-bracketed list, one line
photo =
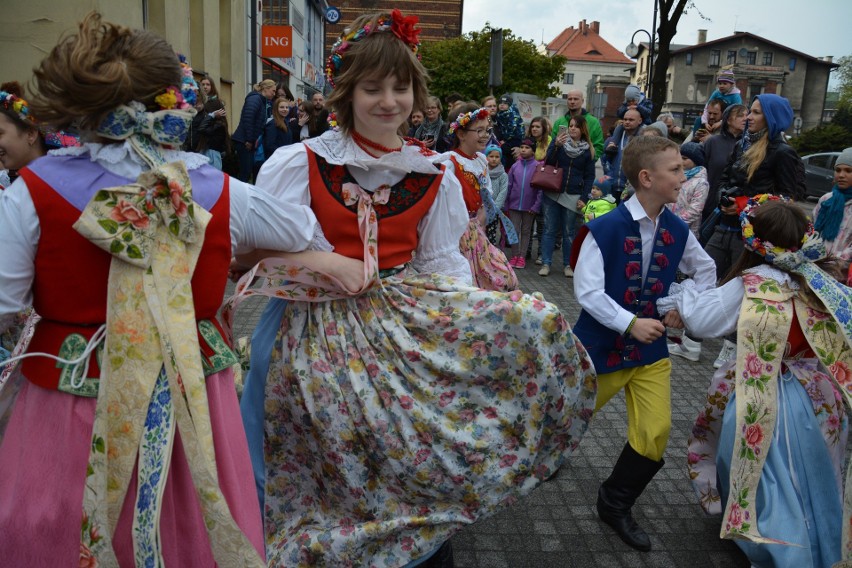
[(617, 235)]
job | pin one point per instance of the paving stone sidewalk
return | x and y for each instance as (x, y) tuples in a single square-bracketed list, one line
[(556, 526)]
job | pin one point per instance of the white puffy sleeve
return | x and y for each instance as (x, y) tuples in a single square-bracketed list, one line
[(711, 313), (440, 231), (19, 235), (260, 221)]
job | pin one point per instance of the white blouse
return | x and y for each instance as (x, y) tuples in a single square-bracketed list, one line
[(257, 221), (715, 312), (286, 176)]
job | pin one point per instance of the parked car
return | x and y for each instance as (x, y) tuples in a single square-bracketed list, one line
[(819, 173)]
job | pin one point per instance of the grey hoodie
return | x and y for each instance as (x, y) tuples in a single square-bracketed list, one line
[(499, 184)]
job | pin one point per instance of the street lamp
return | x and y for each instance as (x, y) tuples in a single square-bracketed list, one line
[(632, 50)]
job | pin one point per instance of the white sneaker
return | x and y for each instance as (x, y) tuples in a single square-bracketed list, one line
[(568, 272), (545, 270), (728, 352), (687, 348)]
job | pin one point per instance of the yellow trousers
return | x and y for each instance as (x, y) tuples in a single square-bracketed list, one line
[(647, 391)]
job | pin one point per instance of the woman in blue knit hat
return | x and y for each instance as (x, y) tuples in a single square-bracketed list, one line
[(763, 163)]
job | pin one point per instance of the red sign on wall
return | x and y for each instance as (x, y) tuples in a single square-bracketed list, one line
[(276, 41)]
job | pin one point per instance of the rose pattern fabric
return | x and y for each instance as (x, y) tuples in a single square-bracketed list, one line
[(371, 463), (764, 325)]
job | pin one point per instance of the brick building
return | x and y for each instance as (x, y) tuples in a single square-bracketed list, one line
[(439, 19)]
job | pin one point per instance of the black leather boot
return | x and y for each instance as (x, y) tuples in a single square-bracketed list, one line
[(628, 480)]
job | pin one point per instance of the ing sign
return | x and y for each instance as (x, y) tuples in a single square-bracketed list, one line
[(276, 41)]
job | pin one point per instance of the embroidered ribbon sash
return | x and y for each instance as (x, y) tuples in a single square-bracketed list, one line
[(152, 378), (291, 280), (765, 321)]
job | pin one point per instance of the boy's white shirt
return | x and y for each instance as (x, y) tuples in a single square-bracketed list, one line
[(589, 274)]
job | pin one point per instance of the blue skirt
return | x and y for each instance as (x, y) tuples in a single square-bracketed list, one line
[(797, 497)]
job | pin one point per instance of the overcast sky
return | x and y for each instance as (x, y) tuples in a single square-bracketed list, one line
[(815, 27)]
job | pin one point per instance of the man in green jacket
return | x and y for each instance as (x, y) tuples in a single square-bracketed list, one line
[(575, 108)]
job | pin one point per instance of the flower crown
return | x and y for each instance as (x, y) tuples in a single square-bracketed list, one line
[(401, 26), (754, 243), (17, 105), (183, 98), (466, 118)]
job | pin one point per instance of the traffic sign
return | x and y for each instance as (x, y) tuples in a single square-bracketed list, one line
[(332, 15)]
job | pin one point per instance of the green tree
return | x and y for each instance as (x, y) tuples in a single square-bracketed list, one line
[(844, 74), (824, 138), (460, 65)]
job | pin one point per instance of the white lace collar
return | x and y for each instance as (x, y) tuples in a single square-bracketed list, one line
[(770, 272), (121, 159), (339, 150)]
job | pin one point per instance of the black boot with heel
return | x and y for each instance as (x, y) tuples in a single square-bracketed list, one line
[(629, 477)]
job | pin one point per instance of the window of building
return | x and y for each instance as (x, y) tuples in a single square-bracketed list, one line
[(689, 58), (568, 79), (751, 58), (792, 64), (767, 58), (297, 20), (732, 56), (715, 57), (702, 89)]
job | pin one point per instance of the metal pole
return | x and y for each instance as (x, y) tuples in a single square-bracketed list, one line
[(653, 41)]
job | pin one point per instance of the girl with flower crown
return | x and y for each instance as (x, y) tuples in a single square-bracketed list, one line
[(774, 430), (123, 444), (391, 418), (470, 131)]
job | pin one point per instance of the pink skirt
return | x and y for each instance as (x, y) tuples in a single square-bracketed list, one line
[(488, 265), (43, 457)]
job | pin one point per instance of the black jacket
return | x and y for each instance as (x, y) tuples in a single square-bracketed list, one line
[(214, 132), (274, 137), (252, 119), (781, 172)]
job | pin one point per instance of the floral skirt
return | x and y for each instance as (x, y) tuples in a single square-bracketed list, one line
[(397, 417), (488, 264), (43, 459)]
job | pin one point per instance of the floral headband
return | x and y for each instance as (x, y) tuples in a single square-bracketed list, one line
[(466, 118), (401, 26), (186, 96), (762, 247), (52, 138), (17, 105)]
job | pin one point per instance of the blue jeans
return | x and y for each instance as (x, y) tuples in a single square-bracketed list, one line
[(556, 218), (246, 160)]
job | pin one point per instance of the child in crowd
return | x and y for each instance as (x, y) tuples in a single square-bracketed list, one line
[(769, 445), (508, 128), (523, 202), (693, 193), (726, 90), (600, 200), (833, 212), (499, 187), (383, 420), (636, 252), (636, 99)]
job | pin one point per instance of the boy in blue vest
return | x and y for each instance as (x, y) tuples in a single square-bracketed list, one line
[(622, 263)]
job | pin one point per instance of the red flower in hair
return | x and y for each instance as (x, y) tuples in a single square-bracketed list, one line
[(403, 27)]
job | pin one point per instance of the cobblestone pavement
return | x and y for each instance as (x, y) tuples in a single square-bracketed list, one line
[(556, 526)]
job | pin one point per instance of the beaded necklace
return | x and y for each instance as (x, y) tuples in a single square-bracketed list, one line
[(364, 143)]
